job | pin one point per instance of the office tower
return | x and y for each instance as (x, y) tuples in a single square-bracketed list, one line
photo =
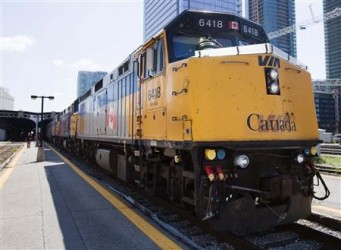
[(332, 36), (87, 79), (275, 15), (327, 94), (157, 14), (324, 103)]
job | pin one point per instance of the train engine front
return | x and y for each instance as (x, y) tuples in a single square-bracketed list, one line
[(210, 116), (244, 111)]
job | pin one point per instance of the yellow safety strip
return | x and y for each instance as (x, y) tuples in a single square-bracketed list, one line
[(152, 232), (7, 171), (329, 209)]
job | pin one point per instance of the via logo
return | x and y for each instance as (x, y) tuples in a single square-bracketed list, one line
[(269, 61)]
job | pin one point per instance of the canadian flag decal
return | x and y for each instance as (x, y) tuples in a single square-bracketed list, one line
[(233, 25)]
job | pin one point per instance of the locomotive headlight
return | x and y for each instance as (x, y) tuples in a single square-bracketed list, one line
[(241, 161), (177, 159), (210, 154), (221, 154), (300, 158), (272, 81), (274, 88), (273, 73)]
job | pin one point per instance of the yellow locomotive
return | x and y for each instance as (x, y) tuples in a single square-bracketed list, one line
[(210, 116)]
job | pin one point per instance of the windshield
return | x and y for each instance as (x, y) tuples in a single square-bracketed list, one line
[(193, 31), (185, 46)]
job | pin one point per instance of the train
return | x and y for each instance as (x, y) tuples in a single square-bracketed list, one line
[(208, 115)]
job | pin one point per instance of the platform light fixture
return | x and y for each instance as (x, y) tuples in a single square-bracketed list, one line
[(41, 149)]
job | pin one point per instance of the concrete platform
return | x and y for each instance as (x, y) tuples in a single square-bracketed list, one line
[(331, 206), (46, 205)]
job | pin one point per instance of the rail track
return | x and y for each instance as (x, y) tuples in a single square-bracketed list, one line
[(195, 233), (331, 149), (305, 234), (327, 169), (7, 150)]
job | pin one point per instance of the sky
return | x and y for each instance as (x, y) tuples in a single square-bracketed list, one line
[(45, 43)]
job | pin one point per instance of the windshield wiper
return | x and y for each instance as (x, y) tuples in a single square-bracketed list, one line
[(214, 40)]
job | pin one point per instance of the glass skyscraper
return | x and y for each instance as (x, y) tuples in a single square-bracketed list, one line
[(157, 14), (332, 35), (87, 79), (327, 103), (327, 118), (275, 15)]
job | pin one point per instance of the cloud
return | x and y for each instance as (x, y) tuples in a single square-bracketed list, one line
[(82, 64), (16, 43), (86, 64), (58, 62)]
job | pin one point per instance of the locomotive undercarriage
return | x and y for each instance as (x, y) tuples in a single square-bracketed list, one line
[(274, 189)]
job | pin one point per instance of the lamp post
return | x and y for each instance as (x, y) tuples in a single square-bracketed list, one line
[(41, 149)]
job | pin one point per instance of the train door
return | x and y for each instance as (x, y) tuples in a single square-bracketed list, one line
[(137, 100), (88, 116), (100, 112), (111, 119), (91, 130), (121, 107), (125, 105), (154, 112)]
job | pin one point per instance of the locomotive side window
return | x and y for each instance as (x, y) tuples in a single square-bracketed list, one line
[(153, 60), (123, 68), (159, 57)]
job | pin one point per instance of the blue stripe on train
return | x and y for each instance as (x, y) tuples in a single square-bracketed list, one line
[(124, 87)]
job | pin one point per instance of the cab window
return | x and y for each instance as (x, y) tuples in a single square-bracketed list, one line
[(153, 60)]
